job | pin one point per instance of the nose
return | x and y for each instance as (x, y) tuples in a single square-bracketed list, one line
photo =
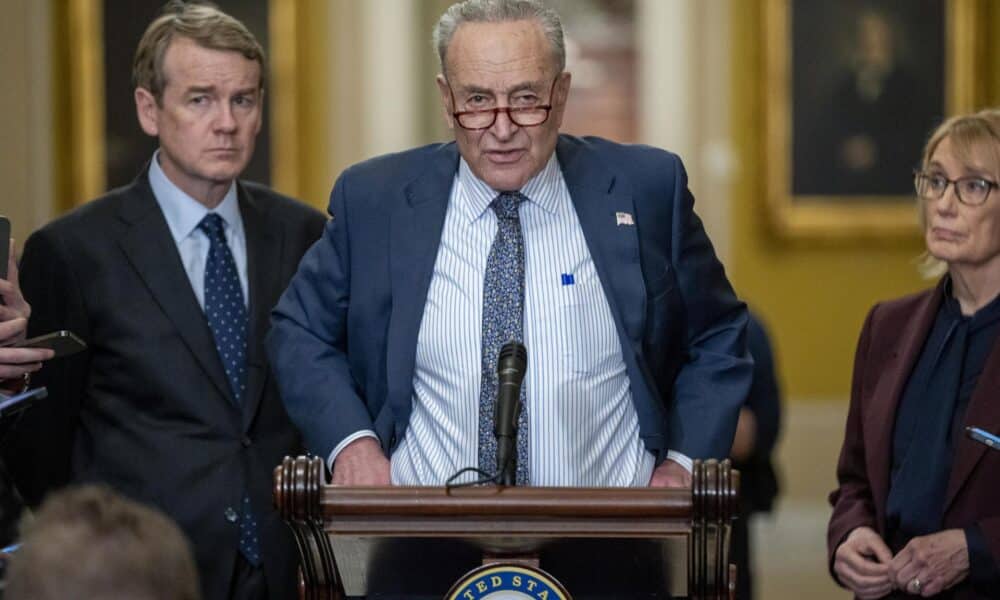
[(503, 128), (225, 121), (948, 201)]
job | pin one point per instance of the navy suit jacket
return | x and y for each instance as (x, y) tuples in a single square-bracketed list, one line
[(147, 409), (344, 335)]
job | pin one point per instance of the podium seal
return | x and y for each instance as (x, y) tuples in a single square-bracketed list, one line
[(506, 581)]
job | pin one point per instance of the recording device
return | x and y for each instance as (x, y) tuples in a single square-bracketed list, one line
[(63, 343), (10, 405), (5, 555), (511, 365), (4, 246), (984, 437)]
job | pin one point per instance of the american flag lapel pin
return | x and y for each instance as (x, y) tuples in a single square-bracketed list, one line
[(624, 218)]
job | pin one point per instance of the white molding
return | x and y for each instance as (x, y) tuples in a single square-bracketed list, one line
[(389, 76), (685, 98)]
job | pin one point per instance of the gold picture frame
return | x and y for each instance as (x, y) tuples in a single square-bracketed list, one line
[(859, 215)]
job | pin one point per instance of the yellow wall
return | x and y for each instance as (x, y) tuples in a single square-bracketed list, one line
[(303, 149), (813, 297)]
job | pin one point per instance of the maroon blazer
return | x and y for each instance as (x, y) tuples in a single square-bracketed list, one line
[(891, 340)]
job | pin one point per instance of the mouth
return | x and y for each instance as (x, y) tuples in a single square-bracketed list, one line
[(504, 156), (948, 235)]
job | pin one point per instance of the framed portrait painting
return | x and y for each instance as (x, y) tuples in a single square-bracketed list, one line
[(853, 88)]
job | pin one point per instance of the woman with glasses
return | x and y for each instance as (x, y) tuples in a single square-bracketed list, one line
[(917, 510)]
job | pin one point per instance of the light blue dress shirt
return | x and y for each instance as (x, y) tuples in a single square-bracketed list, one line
[(183, 214)]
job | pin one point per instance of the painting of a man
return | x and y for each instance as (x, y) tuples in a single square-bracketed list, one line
[(867, 83)]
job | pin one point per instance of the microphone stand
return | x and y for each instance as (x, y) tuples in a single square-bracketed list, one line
[(507, 460)]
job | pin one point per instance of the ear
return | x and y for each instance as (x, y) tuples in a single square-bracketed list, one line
[(445, 91), (148, 111)]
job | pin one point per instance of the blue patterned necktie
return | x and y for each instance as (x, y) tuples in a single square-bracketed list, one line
[(503, 312), (226, 313)]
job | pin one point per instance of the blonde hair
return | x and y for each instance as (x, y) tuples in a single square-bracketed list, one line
[(204, 24), (89, 542), (973, 138)]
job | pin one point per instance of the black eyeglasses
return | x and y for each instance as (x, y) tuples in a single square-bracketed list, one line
[(522, 116), (971, 191)]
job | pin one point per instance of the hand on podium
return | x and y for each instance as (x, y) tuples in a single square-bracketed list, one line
[(670, 474), (361, 463)]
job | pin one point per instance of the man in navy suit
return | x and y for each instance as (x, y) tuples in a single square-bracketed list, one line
[(585, 250), (170, 281)]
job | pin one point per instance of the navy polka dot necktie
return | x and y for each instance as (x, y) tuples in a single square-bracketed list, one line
[(503, 313), (226, 313), (224, 306)]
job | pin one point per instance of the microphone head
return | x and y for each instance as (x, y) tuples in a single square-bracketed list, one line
[(513, 356)]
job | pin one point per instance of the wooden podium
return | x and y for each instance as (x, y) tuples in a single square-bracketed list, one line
[(341, 532)]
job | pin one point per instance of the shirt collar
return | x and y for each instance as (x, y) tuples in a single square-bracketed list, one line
[(182, 212), (542, 189)]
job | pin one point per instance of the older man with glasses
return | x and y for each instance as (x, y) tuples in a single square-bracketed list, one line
[(585, 251)]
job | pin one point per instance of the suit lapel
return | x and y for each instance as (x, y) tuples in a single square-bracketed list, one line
[(599, 196), (901, 356), (983, 412), (151, 250), (264, 254), (414, 238)]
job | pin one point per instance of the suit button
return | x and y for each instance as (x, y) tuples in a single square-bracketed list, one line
[(246, 441), (231, 514)]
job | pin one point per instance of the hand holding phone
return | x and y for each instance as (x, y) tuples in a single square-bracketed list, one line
[(62, 343), (12, 303), (16, 362)]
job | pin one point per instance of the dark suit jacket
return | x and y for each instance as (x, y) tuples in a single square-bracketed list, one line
[(758, 479), (890, 344), (344, 337), (147, 409)]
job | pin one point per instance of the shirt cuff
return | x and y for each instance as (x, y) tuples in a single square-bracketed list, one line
[(347, 440), (681, 459), (984, 573)]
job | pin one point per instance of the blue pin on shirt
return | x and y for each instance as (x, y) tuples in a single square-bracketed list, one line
[(567, 279)]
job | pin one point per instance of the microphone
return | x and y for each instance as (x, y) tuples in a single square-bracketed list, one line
[(511, 365)]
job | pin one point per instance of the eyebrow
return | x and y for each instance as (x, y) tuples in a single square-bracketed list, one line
[(209, 89), (967, 171), (529, 85)]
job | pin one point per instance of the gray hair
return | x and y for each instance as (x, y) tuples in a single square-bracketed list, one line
[(499, 11)]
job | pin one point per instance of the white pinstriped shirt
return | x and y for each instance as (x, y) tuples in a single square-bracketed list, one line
[(583, 427)]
